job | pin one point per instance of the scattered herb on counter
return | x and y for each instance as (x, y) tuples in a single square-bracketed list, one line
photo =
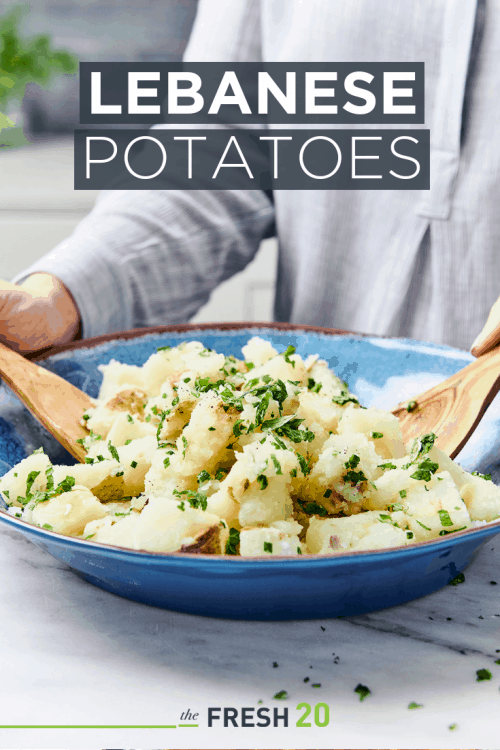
[(460, 578), (281, 695), (413, 705), (452, 727), (362, 691), (483, 674), (275, 664), (316, 684)]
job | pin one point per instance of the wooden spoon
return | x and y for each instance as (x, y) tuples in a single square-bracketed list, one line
[(57, 404), (453, 409)]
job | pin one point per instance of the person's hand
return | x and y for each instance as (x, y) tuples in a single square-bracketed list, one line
[(37, 314), (490, 335)]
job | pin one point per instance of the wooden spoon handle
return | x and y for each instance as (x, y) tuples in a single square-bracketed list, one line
[(54, 402), (490, 335)]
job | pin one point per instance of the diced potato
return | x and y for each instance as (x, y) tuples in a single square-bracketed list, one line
[(67, 513), (119, 533), (482, 498), (117, 376), (13, 485), (331, 385), (164, 527), (124, 429), (159, 367), (347, 465), (371, 530), (200, 447), (101, 478), (258, 351), (129, 400), (378, 425), (262, 541), (437, 509)]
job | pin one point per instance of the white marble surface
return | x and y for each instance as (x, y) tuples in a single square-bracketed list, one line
[(73, 654)]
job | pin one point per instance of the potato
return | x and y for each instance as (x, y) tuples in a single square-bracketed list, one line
[(378, 425), (116, 376), (165, 525), (437, 509), (67, 513), (16, 482), (209, 542), (101, 478), (200, 447), (124, 429), (161, 365), (370, 530), (347, 465), (258, 351), (482, 498), (108, 531), (262, 541)]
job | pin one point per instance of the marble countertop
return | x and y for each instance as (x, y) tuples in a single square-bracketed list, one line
[(73, 654)]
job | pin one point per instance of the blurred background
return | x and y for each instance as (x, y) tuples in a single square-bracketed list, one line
[(40, 47)]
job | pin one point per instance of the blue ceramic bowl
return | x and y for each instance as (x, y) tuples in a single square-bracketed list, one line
[(380, 371)]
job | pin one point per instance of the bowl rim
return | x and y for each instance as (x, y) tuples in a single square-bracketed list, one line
[(94, 341)]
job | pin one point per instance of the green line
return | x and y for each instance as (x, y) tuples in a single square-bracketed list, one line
[(90, 726), (188, 725)]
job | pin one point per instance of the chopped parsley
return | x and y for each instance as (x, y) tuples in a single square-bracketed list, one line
[(402, 494), (263, 481), (232, 542), (362, 691), (354, 477), (277, 464), (113, 451), (130, 419), (134, 464), (166, 462), (268, 547), (47, 526), (281, 695), (327, 493), (387, 466), (211, 429), (185, 444), (411, 406), (422, 525), (345, 398), (237, 429), (482, 476), (460, 578), (195, 499), (426, 469), (483, 674), (163, 348), (445, 518), (287, 353), (203, 477), (377, 435)]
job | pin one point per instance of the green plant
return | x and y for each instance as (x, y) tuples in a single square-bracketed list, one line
[(23, 61)]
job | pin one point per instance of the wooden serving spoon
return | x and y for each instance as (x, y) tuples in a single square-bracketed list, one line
[(453, 409), (57, 404)]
